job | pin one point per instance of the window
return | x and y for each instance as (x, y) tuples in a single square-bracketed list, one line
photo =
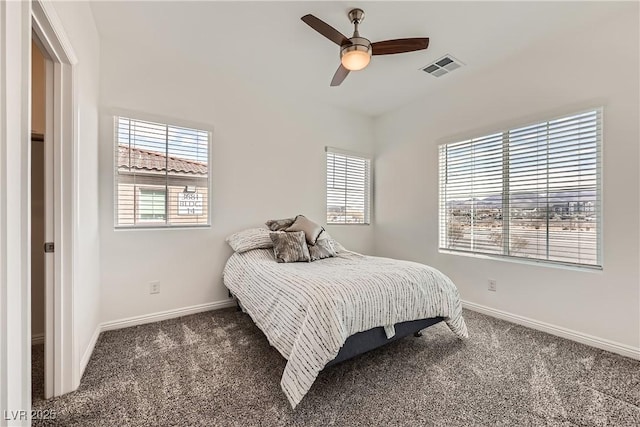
[(161, 174), (152, 204), (529, 192), (348, 187)]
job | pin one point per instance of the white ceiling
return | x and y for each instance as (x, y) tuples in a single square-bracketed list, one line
[(267, 42)]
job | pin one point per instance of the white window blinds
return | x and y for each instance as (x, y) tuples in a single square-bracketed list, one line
[(530, 192), (161, 174), (348, 187)]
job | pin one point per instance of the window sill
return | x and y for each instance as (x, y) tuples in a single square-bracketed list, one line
[(332, 224), (526, 261), (160, 227)]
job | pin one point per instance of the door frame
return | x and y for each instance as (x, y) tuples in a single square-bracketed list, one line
[(15, 247), (62, 367)]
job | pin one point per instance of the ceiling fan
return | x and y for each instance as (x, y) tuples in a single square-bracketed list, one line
[(355, 53)]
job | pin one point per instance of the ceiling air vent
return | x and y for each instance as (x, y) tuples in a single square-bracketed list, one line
[(442, 66)]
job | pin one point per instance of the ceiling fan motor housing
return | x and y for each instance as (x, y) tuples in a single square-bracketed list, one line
[(357, 43), (356, 55)]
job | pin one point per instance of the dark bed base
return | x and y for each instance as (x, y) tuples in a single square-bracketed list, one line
[(371, 339), (365, 341)]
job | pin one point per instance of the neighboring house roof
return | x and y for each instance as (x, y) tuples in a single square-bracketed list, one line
[(140, 159)]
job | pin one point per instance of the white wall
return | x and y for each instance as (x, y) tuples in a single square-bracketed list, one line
[(268, 162), (592, 67), (77, 20)]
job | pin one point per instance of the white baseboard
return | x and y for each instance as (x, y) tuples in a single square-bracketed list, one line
[(37, 338), (164, 315), (612, 346)]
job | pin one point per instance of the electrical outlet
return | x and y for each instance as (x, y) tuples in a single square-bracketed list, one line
[(154, 287), (492, 285)]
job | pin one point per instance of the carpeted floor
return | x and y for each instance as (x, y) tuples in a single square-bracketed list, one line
[(37, 372), (217, 369)]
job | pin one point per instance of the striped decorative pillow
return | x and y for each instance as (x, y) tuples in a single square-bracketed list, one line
[(290, 246), (252, 238)]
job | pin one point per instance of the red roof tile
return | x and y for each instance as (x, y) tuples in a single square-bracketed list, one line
[(138, 158)]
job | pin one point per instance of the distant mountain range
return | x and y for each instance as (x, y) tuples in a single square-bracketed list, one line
[(527, 200)]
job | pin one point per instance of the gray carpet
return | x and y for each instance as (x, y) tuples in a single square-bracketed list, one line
[(37, 372), (217, 369)]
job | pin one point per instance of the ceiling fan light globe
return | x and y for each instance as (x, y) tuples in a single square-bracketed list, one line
[(356, 55), (355, 60)]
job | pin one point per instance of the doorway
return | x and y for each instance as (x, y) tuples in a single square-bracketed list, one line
[(60, 140), (39, 212)]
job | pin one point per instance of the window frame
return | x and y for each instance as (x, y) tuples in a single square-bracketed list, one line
[(599, 266), (368, 197), (139, 224)]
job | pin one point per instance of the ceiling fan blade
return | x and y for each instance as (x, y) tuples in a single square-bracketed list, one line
[(339, 76), (389, 47), (325, 29)]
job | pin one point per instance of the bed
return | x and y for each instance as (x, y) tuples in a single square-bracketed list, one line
[(321, 313)]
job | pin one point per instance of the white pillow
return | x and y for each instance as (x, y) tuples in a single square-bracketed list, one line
[(252, 238)]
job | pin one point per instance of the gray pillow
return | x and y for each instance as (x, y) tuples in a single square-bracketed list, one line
[(289, 247), (279, 224), (310, 228), (252, 238), (334, 243), (322, 249)]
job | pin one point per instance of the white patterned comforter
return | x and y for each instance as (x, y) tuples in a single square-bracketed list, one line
[(308, 310)]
